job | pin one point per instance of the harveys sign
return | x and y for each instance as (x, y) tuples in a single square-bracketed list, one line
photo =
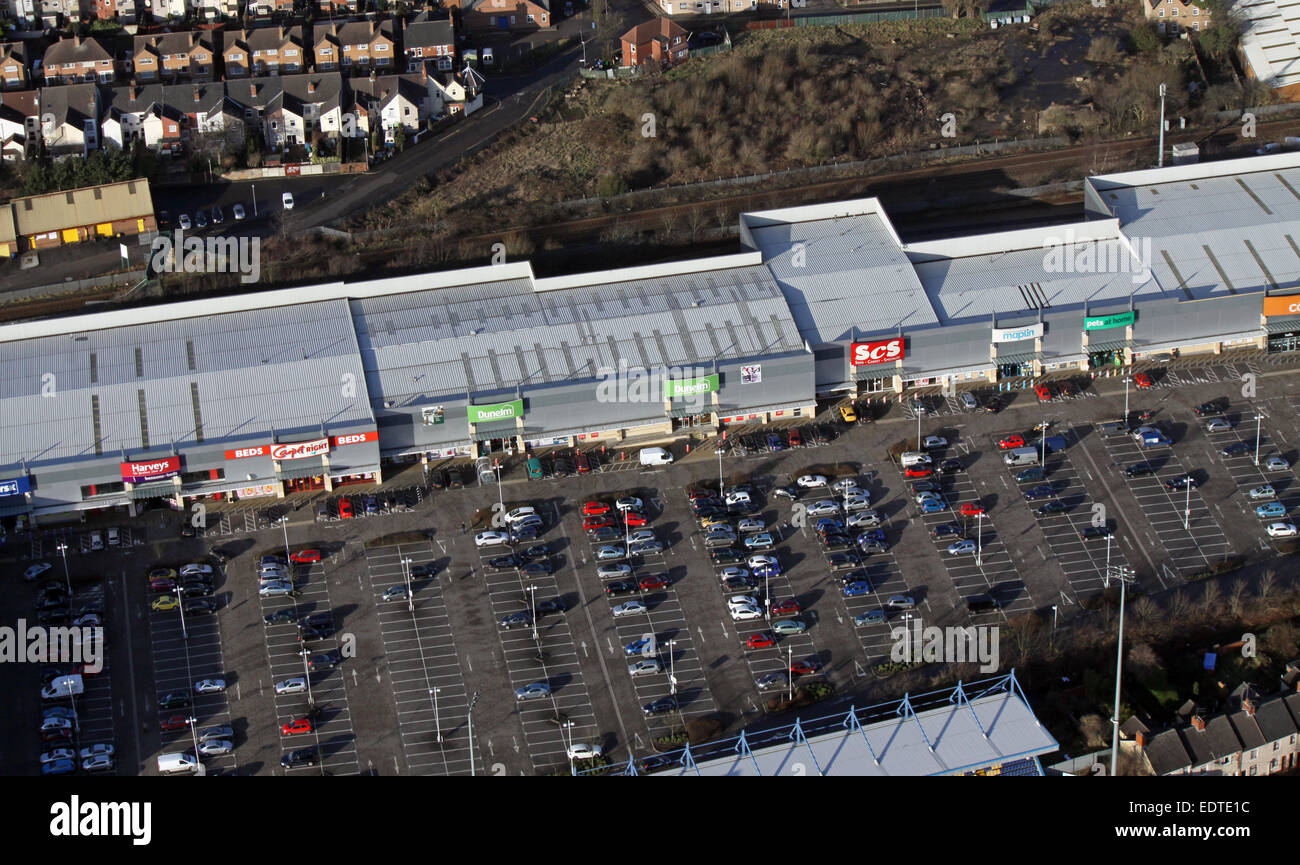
[(868, 353), (300, 450), (153, 470)]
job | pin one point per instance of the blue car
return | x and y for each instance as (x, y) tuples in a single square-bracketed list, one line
[(876, 535), (826, 525), (760, 541), (774, 443), (932, 506), (638, 647), (1155, 440), (372, 505), (1271, 511), (766, 571), (59, 767), (1038, 492), (854, 590)]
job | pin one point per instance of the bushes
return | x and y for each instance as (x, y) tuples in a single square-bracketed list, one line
[(1219, 568)]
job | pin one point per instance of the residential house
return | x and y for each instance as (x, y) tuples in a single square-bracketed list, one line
[(660, 41), (74, 59), (1254, 735), (70, 119), (19, 124), (259, 104), (25, 11), (76, 215), (355, 47), (265, 51), (389, 101), (313, 103), (336, 7), (53, 12), (125, 12), (1173, 16), (457, 93), (512, 15), (267, 8), (164, 9), (183, 56), (717, 7), (429, 36), (199, 107), (211, 10), (14, 63), (125, 111)]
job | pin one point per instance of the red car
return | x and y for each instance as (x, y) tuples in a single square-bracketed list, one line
[(803, 668), (786, 608), (1142, 380), (296, 726), (796, 439), (345, 509), (695, 494), (917, 472), (594, 509), (175, 722), (305, 557), (1044, 392), (597, 523), (971, 509), (635, 520), (759, 641), (583, 465), (1009, 442), (163, 584), (648, 583)]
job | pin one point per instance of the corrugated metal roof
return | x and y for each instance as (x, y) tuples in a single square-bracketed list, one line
[(851, 274), (87, 206)]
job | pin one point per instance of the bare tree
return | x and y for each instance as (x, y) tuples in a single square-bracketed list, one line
[(1267, 582), (1236, 598), (1211, 599)]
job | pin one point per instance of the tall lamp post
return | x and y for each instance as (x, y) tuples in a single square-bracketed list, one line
[(1161, 160), (284, 527), (437, 719), (63, 549), (532, 609), (410, 594), (469, 717), (979, 540), (1258, 419), (672, 669), (1127, 379), (254, 200), (1123, 575)]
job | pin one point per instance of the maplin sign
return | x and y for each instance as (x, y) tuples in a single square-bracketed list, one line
[(1013, 334), (496, 411)]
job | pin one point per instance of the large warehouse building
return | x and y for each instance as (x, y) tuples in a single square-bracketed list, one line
[(262, 394)]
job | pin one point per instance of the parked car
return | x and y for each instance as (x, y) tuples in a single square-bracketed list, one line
[(1276, 464), (1271, 511), (1262, 493)]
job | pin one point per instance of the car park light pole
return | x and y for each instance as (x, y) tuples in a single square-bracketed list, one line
[(789, 674), (306, 675), (672, 669), (63, 549), (284, 527), (180, 605), (532, 607), (437, 720), (1258, 419), (767, 592), (1187, 504), (568, 726), (1127, 379), (254, 200), (194, 734), (1123, 575), (469, 718), (979, 540), (410, 595)]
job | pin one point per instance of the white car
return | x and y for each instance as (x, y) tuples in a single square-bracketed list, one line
[(96, 540), (745, 614), (296, 685), (216, 747), (184, 221), (846, 485), (824, 508), (742, 601), (196, 570), (811, 481), (739, 497), (645, 667), (1276, 464), (732, 572), (762, 561), (863, 519), (98, 763), (857, 503), (491, 539), (239, 212), (519, 513), (932, 442), (1262, 493), (96, 750), (581, 751), (287, 200), (1281, 530), (630, 503), (36, 570), (928, 494), (58, 754), (631, 608), (209, 686)]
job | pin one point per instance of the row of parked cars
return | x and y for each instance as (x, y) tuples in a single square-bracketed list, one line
[(188, 587)]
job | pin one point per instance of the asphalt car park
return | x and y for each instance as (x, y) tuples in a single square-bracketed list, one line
[(420, 655), (1190, 548), (539, 651), (94, 707), (1235, 446), (186, 649), (325, 706)]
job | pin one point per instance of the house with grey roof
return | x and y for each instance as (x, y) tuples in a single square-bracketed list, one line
[(70, 117), (312, 103), (429, 36), (1252, 735), (259, 102)]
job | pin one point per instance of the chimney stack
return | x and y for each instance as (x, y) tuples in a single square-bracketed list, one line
[(252, 90), (1141, 739), (197, 95), (311, 86), (1248, 705), (135, 93), (1198, 721)]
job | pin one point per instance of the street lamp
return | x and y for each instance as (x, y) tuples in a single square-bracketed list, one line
[(1187, 504), (180, 605), (1258, 418), (672, 669), (1053, 618), (437, 720), (532, 608), (979, 540), (1123, 575), (568, 725), (767, 593), (254, 200), (789, 675), (284, 526), (63, 548), (306, 674), (406, 575), (1127, 379), (469, 717)]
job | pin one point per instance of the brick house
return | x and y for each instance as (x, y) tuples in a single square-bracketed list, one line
[(124, 12), (429, 36), (659, 41), (265, 51), (312, 103), (336, 7), (266, 8), (14, 64), (1252, 736), (1174, 16), (355, 47), (74, 60), (503, 15), (185, 56)]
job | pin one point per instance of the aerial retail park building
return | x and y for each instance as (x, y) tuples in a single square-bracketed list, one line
[(257, 395)]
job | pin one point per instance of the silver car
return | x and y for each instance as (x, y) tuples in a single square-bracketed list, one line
[(613, 571), (535, 691), (1276, 464), (772, 681), (823, 508), (643, 547), (631, 608), (645, 667), (276, 589), (217, 733), (297, 685), (216, 747), (1262, 493)]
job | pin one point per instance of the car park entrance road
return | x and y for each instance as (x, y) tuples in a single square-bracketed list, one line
[(1190, 549), (420, 653), (331, 730)]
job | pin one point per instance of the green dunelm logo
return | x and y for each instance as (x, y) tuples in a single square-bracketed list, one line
[(496, 411)]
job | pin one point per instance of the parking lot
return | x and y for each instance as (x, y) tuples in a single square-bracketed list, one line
[(1235, 448), (422, 664)]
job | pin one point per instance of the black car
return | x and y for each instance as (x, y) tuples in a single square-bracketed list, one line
[(1041, 491), (320, 620), (197, 587), (858, 576), (288, 614), (981, 604), (710, 512), (947, 530), (873, 547), (1053, 507), (454, 481), (949, 466), (726, 557), (660, 706), (657, 761), (505, 562), (1213, 407), (174, 700), (837, 542), (298, 758), (1137, 470), (992, 406), (313, 632), (620, 587), (437, 479), (273, 560), (841, 561), (554, 605), (739, 584), (55, 616), (1236, 448), (537, 551), (607, 533), (187, 530), (563, 468), (200, 606), (323, 660), (1094, 532), (522, 535), (426, 570), (536, 569), (514, 620), (1180, 483)]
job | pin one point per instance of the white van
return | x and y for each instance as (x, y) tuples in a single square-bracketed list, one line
[(96, 540), (173, 764), (63, 686), (1021, 457), (655, 457), (915, 458), (114, 538)]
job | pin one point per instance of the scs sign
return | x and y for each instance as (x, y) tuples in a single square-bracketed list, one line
[(300, 450), (868, 353)]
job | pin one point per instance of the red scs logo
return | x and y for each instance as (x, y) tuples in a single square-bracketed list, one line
[(867, 353)]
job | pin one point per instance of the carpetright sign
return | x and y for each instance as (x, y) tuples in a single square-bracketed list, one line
[(496, 411)]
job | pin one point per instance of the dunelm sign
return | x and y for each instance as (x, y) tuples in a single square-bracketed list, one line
[(1105, 322), (677, 388), (496, 411)]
